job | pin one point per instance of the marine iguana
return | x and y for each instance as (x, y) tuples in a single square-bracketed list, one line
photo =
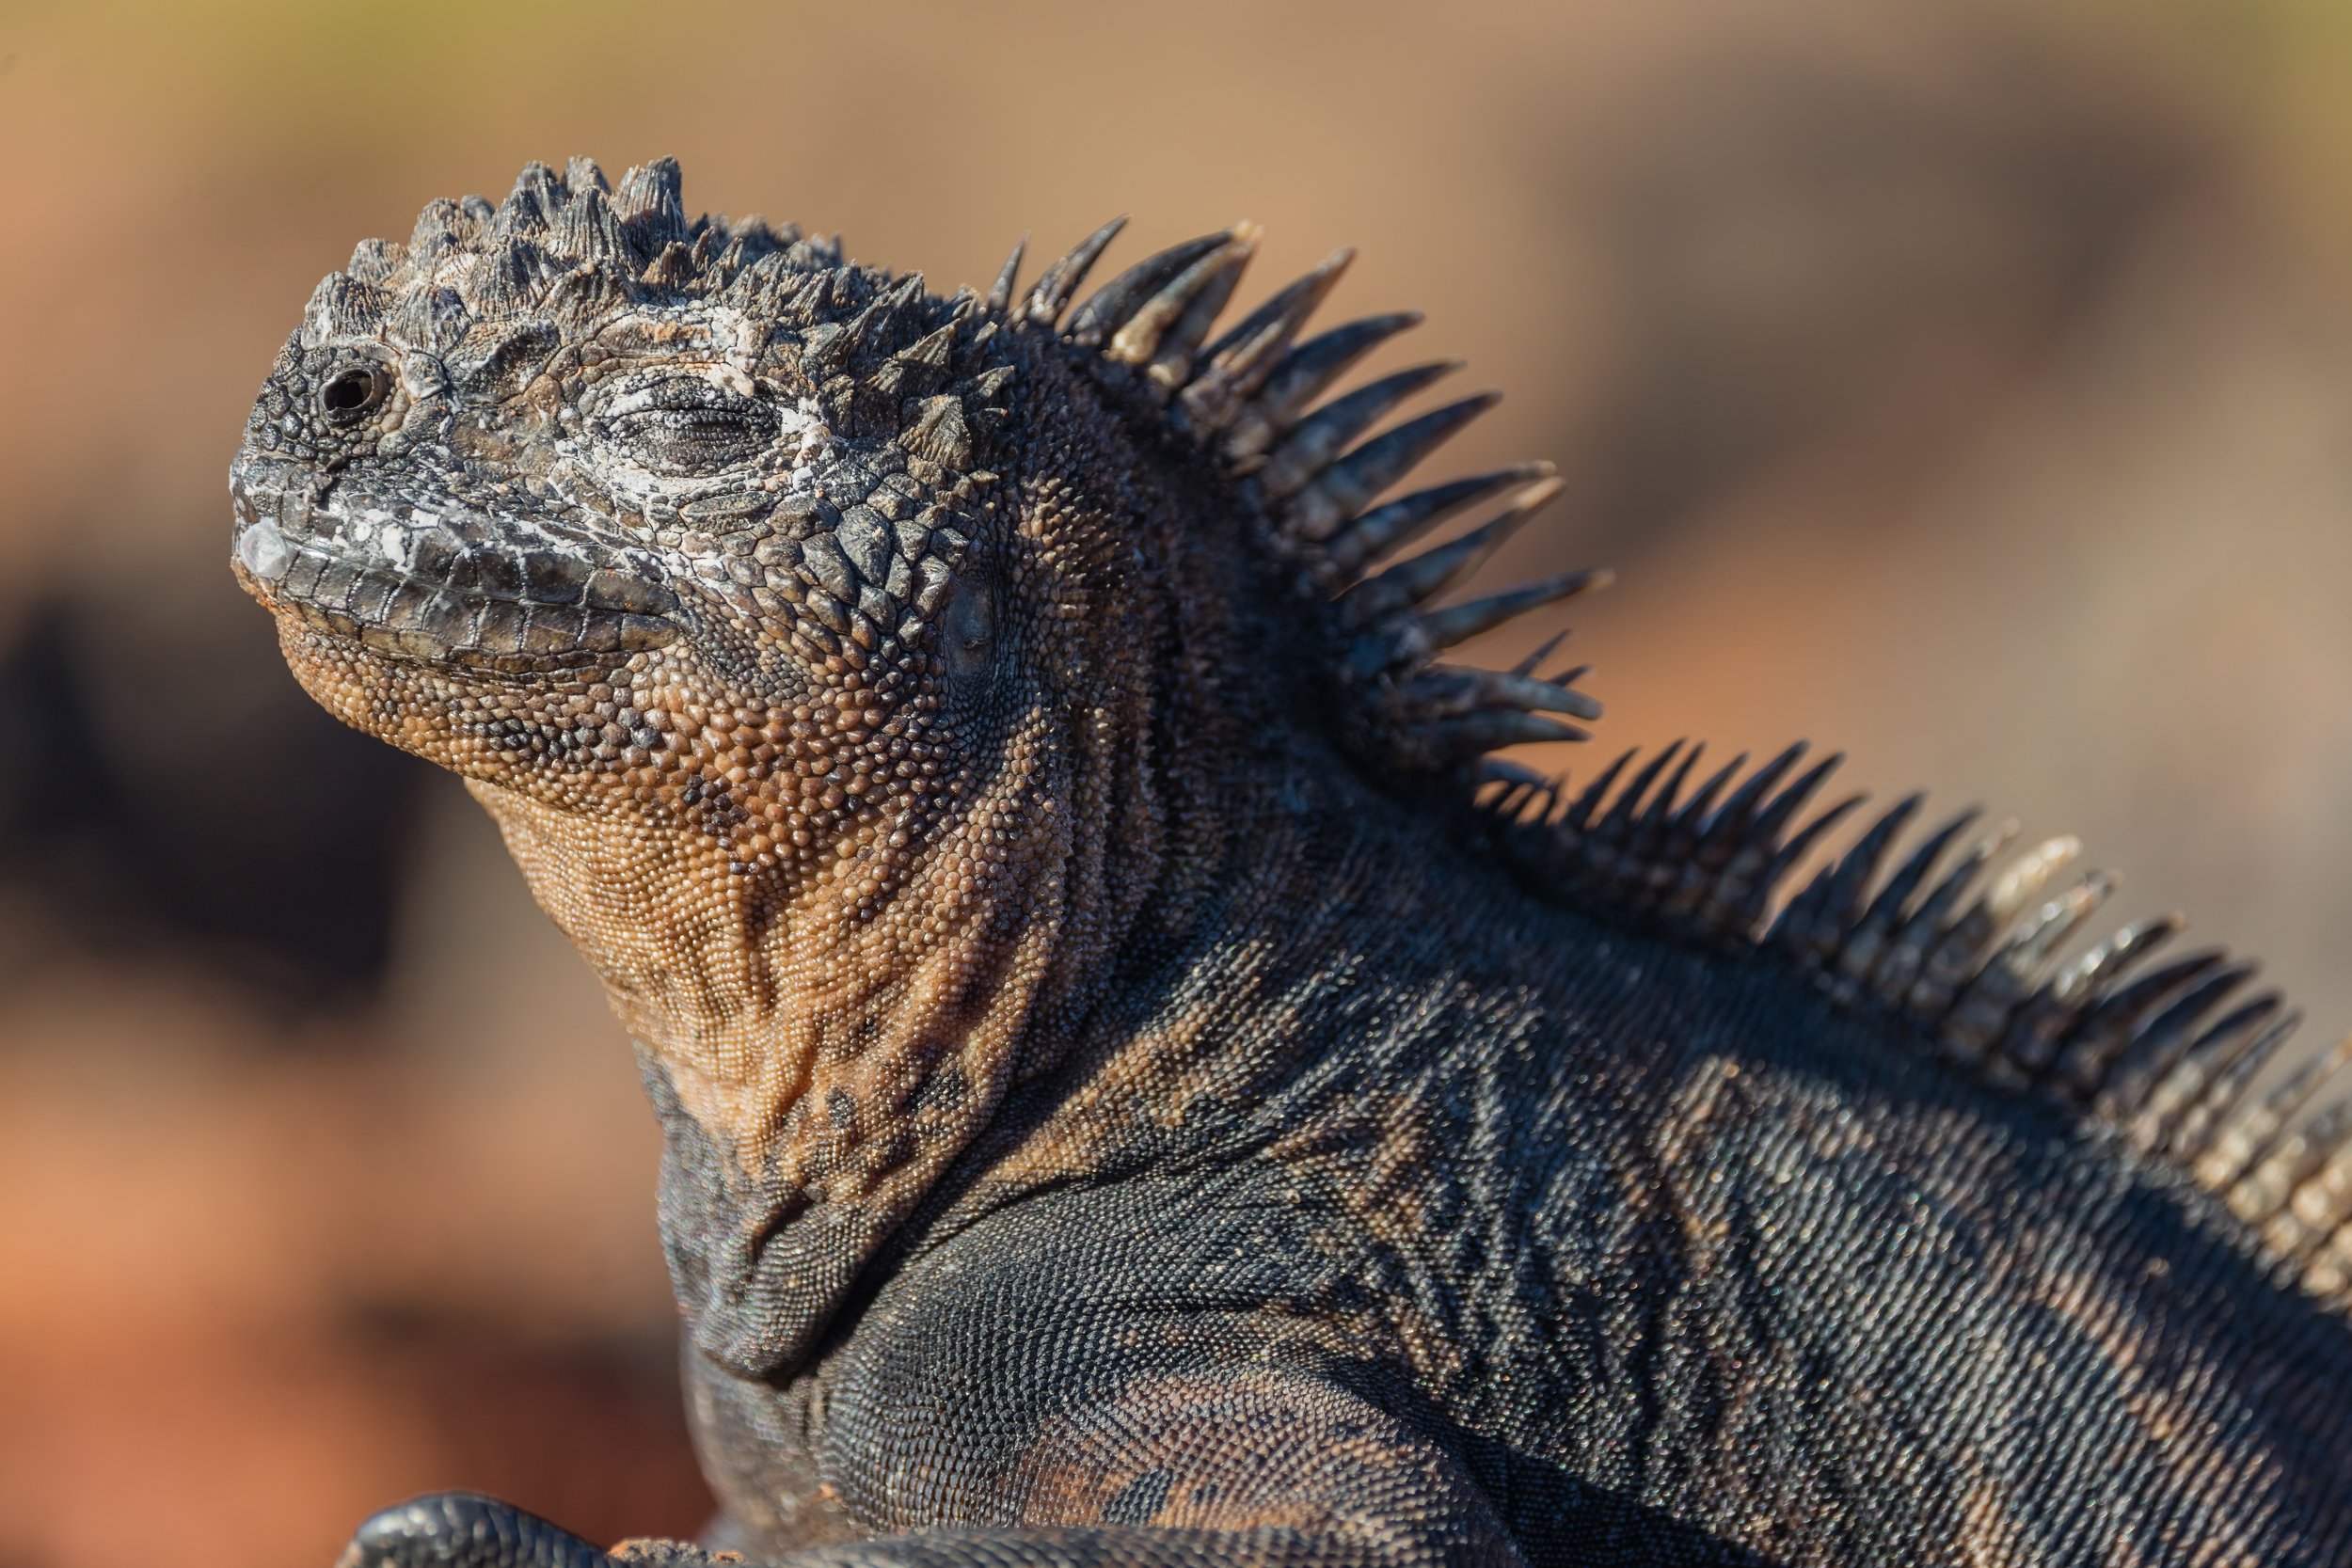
[(1143, 1083)]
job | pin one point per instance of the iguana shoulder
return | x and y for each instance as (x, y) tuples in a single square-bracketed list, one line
[(1143, 1080)]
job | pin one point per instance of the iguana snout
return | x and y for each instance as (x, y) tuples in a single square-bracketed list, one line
[(413, 570)]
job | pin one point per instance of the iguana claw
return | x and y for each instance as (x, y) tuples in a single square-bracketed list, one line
[(465, 1529)]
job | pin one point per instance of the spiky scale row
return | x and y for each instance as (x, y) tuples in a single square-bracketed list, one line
[(1061, 281), (1248, 399), (1235, 367), (2164, 1056), (1383, 529), (1318, 440), (1296, 380), (1166, 334), (1137, 294), (1966, 954)]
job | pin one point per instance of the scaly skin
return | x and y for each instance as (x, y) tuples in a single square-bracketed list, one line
[(1126, 1102)]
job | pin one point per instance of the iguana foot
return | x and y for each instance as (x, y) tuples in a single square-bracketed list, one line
[(465, 1529)]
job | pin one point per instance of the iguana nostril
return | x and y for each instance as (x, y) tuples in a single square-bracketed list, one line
[(296, 512)]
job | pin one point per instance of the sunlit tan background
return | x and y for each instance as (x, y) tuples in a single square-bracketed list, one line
[(1969, 385)]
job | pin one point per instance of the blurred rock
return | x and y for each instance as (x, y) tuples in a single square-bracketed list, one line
[(169, 790), (1808, 254)]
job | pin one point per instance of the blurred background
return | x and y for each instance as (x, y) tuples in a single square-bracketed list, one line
[(1969, 385)]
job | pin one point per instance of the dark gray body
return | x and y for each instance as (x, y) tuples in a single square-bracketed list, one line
[(1683, 1264)]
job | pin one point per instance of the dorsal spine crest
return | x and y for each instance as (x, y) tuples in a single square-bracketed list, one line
[(1964, 956)]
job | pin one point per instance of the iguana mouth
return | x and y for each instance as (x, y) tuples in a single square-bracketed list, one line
[(442, 587)]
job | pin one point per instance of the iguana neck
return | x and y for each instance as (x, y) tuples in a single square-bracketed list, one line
[(824, 1034), (770, 1005), (819, 1051)]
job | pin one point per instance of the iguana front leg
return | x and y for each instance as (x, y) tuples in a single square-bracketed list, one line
[(1239, 1470)]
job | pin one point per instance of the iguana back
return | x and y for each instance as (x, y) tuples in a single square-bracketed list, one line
[(1142, 1082)]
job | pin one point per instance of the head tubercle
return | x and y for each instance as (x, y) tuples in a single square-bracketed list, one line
[(567, 261)]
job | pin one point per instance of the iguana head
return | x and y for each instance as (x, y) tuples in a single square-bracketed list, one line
[(848, 666), (601, 508)]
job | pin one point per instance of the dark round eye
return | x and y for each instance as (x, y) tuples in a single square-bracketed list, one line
[(349, 393)]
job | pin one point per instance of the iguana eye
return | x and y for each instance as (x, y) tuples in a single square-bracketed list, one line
[(687, 426), (347, 394)]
